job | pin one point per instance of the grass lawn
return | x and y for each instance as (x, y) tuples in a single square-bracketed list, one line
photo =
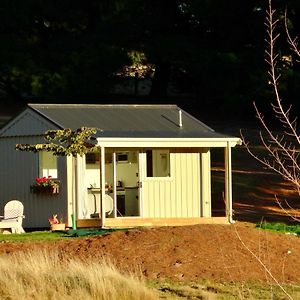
[(280, 227), (224, 291), (53, 235), (33, 236)]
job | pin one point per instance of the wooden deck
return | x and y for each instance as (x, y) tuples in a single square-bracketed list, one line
[(127, 222)]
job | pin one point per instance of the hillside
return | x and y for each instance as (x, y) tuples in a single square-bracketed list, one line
[(189, 253)]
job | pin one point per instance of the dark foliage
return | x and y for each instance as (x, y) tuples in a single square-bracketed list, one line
[(211, 51)]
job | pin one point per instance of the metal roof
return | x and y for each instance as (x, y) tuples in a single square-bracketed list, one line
[(134, 121)]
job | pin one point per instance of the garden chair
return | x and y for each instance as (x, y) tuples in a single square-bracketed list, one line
[(13, 217), (109, 204)]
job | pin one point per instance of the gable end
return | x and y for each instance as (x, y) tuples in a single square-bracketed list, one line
[(27, 123)]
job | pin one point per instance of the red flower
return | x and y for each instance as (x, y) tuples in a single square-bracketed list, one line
[(53, 220), (45, 181)]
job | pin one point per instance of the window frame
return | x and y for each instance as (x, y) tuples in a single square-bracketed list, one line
[(41, 158), (169, 176)]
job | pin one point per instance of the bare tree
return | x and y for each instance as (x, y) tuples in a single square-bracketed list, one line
[(282, 150)]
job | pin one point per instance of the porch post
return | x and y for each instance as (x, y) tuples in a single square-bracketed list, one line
[(102, 185), (205, 173), (228, 183), (78, 190), (80, 175), (115, 183), (74, 192)]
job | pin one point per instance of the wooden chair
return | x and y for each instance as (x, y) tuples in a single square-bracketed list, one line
[(13, 217)]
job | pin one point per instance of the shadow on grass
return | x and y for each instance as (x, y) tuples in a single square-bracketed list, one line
[(91, 232), (254, 189), (254, 196)]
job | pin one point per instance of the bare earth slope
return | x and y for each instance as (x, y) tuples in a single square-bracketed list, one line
[(187, 253)]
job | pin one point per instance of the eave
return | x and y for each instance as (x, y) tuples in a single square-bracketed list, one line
[(168, 142)]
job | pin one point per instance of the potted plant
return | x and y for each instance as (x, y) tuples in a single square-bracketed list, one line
[(56, 224), (45, 185)]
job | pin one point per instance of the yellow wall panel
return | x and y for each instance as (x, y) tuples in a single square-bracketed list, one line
[(178, 195)]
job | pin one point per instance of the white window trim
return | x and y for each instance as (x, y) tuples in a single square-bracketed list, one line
[(40, 167)]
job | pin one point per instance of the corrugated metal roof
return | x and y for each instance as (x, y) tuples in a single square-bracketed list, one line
[(148, 121)]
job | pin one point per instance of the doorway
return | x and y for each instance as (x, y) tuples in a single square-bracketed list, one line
[(126, 183)]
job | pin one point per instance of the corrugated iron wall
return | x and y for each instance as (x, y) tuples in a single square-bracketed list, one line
[(18, 171)]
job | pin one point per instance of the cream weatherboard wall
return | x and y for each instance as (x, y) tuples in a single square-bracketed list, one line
[(180, 194)]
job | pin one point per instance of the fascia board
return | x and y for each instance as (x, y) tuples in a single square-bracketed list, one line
[(168, 142)]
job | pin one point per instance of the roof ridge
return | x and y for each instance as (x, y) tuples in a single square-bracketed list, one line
[(40, 105)]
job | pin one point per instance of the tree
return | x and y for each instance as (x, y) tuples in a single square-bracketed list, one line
[(283, 149), (58, 49), (210, 51), (72, 49), (64, 142)]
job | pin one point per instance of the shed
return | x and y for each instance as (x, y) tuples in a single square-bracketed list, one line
[(152, 164)]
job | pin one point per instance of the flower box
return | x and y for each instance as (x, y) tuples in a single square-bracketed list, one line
[(45, 185), (58, 227), (50, 190)]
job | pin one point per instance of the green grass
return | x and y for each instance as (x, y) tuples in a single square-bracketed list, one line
[(54, 236), (280, 227), (223, 291), (33, 236)]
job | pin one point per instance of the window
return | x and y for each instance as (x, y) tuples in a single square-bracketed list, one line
[(47, 164), (158, 163), (92, 157), (122, 157)]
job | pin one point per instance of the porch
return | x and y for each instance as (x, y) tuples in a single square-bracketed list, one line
[(149, 187), (128, 222)]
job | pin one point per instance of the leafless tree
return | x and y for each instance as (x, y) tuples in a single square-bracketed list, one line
[(282, 150)]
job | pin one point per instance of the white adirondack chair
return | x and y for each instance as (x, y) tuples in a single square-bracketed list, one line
[(13, 217)]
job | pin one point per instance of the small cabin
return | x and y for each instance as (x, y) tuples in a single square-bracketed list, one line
[(151, 167)]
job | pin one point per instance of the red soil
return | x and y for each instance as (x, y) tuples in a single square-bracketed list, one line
[(187, 253)]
